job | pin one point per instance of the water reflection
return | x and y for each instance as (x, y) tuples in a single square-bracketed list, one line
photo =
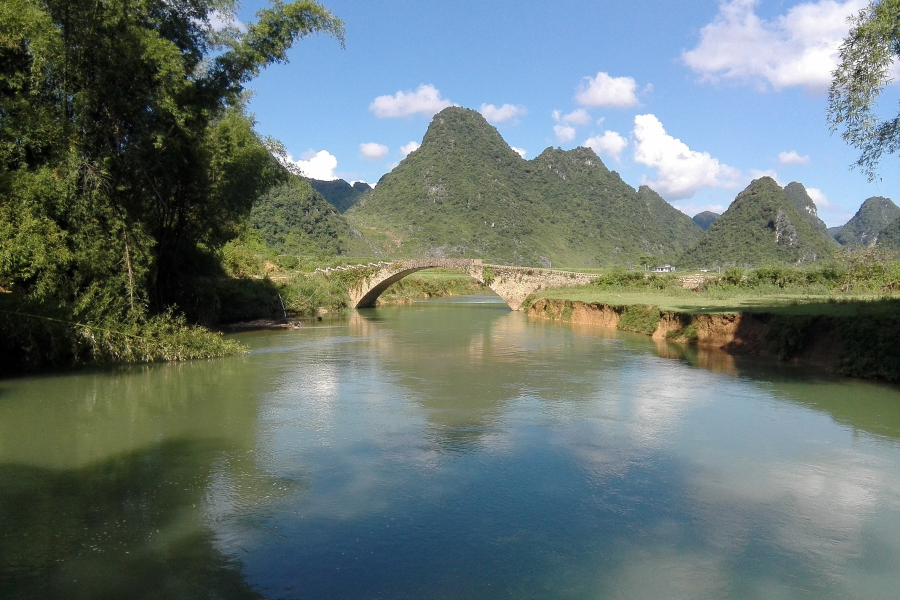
[(443, 451), (125, 527)]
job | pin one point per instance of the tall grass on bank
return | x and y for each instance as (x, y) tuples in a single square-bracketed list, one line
[(37, 338)]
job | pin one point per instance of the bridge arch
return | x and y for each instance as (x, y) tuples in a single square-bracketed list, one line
[(513, 284)]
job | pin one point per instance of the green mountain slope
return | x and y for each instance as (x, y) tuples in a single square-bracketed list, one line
[(762, 226), (466, 193), (863, 229), (889, 237), (798, 196), (705, 219), (339, 193), (295, 219)]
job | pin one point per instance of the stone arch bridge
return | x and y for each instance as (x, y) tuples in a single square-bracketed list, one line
[(513, 284)]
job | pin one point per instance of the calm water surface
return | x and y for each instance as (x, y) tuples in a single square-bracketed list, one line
[(450, 449)]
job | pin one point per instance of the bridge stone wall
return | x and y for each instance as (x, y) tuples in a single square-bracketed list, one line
[(513, 284)]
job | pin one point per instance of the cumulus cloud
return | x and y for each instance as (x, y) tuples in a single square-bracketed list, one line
[(498, 114), (373, 151), (318, 165), (409, 148), (564, 133), (798, 48), (680, 171), (819, 197), (603, 90), (610, 143), (579, 116), (426, 100), (792, 158), (520, 151)]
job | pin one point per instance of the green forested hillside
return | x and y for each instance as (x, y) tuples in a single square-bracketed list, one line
[(294, 219), (762, 226), (466, 193), (863, 229), (889, 237), (339, 193), (798, 196), (705, 219)]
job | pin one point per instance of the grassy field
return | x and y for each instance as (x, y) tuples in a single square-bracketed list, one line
[(769, 301)]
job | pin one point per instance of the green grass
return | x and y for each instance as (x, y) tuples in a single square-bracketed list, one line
[(737, 301)]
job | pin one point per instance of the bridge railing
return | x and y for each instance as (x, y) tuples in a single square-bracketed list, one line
[(327, 270)]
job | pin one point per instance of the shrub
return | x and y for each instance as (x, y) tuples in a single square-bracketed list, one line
[(733, 276), (640, 319)]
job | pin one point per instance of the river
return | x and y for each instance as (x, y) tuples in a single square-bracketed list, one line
[(450, 449)]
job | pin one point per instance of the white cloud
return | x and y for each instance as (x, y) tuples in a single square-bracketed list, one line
[(498, 114), (610, 143), (426, 100), (579, 116), (799, 48), (792, 158), (757, 173), (373, 151), (564, 133), (520, 151), (603, 90), (819, 197), (219, 20), (319, 165), (409, 148), (680, 171)]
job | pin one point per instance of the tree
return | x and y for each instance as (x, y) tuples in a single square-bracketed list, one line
[(126, 152), (866, 57), (646, 260)]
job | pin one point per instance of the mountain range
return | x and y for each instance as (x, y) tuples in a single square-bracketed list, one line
[(465, 193)]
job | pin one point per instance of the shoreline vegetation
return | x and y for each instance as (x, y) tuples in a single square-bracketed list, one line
[(843, 316), (845, 320)]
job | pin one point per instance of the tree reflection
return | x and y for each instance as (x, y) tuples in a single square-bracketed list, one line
[(129, 527)]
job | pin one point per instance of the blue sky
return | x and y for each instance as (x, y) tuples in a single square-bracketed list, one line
[(693, 98)]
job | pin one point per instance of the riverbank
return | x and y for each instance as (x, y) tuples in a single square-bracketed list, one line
[(857, 339)]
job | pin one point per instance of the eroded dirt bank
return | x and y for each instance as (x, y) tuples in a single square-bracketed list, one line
[(857, 346)]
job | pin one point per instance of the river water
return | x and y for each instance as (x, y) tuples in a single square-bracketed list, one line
[(450, 449)]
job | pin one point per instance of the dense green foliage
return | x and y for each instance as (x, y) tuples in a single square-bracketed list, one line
[(863, 228), (761, 227), (126, 156), (889, 236), (867, 57), (466, 193), (798, 196), (339, 193), (36, 337), (705, 219), (295, 219), (640, 319)]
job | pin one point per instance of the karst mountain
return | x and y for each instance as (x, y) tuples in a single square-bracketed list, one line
[(466, 193), (764, 226)]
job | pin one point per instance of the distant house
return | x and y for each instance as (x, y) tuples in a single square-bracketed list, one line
[(663, 269)]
